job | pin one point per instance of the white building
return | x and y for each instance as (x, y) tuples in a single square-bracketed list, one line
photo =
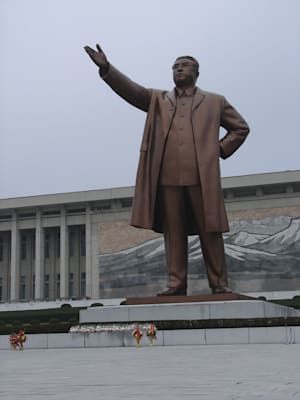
[(51, 245)]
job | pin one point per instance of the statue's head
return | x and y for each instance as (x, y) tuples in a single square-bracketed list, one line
[(185, 71)]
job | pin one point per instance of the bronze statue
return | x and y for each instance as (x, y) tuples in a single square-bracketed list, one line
[(178, 190)]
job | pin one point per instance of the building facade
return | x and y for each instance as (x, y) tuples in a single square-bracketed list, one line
[(80, 245)]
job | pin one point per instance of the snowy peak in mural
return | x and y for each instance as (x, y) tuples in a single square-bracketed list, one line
[(243, 238), (286, 241)]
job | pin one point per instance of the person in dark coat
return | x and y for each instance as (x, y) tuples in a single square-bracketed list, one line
[(178, 187)]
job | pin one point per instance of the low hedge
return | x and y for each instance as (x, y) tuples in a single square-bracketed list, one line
[(54, 320)]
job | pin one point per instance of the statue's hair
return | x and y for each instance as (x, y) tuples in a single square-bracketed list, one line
[(195, 62)]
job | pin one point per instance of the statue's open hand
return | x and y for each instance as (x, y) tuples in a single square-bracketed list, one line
[(98, 57)]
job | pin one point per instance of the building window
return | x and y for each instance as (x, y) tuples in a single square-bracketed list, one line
[(33, 287), (1, 248), (82, 284), (46, 287), (33, 248), (57, 286), (71, 244), (22, 287), (71, 284), (82, 243), (47, 245), (23, 247), (58, 245)]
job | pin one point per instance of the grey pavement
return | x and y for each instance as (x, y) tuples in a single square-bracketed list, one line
[(222, 372)]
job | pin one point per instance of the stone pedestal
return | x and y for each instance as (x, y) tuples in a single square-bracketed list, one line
[(186, 310)]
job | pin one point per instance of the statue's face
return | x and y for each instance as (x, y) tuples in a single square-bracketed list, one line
[(184, 72)]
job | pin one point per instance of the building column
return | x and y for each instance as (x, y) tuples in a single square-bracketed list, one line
[(39, 258), (95, 260), (88, 252), (15, 260), (64, 255)]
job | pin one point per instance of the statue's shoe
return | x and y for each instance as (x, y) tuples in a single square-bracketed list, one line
[(221, 289), (173, 292)]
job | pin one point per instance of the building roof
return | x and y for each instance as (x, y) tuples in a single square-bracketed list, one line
[(233, 182)]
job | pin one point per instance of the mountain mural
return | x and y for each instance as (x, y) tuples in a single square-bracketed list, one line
[(286, 241), (256, 252)]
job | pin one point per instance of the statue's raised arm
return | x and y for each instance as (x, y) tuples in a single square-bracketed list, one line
[(135, 94)]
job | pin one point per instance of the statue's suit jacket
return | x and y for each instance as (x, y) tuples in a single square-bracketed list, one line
[(210, 111)]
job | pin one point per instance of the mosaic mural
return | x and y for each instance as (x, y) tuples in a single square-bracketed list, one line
[(261, 255)]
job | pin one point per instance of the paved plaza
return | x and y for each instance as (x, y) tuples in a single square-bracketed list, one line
[(235, 372)]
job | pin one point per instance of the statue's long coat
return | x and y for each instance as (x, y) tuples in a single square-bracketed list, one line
[(209, 112)]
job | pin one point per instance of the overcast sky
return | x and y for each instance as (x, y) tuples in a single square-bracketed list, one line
[(62, 129)]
